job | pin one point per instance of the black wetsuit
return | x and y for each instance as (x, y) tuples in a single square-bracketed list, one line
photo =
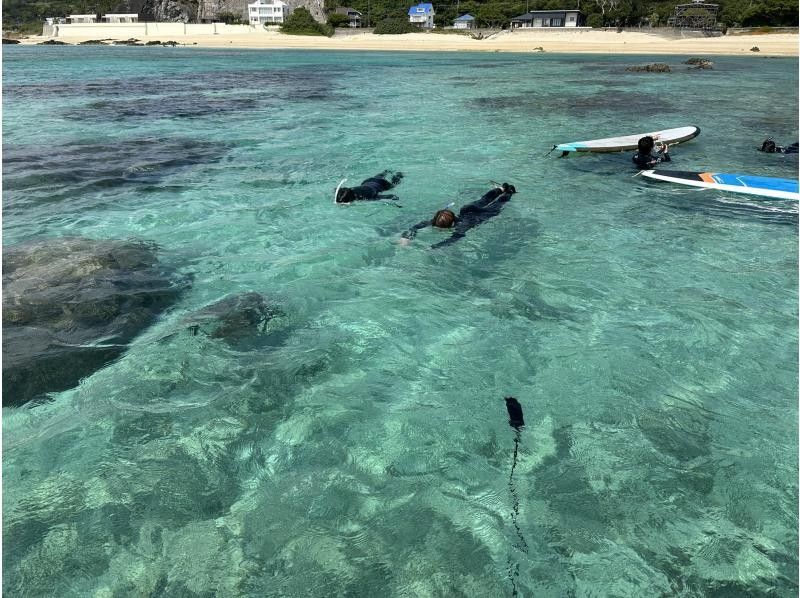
[(649, 161), (370, 189), (471, 215), (770, 147)]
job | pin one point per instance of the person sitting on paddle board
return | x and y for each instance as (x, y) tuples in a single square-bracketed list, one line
[(770, 147), (644, 158), (469, 216), (370, 189)]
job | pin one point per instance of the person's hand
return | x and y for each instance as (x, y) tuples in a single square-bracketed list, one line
[(666, 148)]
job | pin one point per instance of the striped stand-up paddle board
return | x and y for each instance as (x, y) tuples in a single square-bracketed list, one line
[(762, 186)]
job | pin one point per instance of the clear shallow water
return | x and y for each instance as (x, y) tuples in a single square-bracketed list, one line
[(649, 332)]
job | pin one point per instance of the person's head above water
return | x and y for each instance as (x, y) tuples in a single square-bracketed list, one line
[(345, 195), (646, 144), (443, 219), (508, 188), (769, 146)]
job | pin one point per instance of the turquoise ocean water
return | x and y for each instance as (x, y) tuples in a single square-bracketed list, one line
[(648, 331)]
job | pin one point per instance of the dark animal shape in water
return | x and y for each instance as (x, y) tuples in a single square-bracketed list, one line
[(234, 318), (71, 305)]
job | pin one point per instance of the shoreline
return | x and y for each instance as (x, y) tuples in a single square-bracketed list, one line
[(572, 42)]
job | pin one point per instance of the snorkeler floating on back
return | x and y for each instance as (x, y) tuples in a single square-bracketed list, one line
[(470, 216), (370, 189)]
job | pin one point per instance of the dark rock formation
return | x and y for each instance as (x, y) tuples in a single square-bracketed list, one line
[(656, 67), (92, 42), (53, 42), (700, 63), (233, 318), (10, 41), (71, 305), (755, 49)]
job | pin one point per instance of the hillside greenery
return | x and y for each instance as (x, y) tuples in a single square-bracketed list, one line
[(610, 13), (28, 15), (300, 22)]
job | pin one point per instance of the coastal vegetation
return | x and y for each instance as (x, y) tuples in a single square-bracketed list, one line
[(26, 16), (300, 22), (394, 26), (600, 13)]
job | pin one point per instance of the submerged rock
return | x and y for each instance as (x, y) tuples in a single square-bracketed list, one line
[(656, 67), (233, 318), (71, 305), (700, 63)]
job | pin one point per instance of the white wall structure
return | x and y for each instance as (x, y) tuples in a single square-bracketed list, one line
[(82, 18), (120, 18), (267, 11), (138, 30)]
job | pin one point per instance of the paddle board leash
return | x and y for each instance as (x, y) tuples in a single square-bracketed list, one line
[(339, 186), (516, 421)]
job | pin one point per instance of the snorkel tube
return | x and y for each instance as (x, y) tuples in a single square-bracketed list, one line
[(339, 186)]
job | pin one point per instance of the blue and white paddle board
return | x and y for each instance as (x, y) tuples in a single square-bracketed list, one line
[(736, 183), (630, 142)]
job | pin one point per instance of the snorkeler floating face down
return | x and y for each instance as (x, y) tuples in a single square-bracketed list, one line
[(370, 189), (469, 216)]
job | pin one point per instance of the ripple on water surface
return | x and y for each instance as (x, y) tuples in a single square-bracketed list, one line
[(356, 442)]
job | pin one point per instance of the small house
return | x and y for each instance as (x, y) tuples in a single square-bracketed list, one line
[(82, 19), (421, 15), (548, 18), (353, 16), (464, 22), (121, 18), (267, 12)]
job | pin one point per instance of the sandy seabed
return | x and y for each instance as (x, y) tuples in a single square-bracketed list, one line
[(581, 41)]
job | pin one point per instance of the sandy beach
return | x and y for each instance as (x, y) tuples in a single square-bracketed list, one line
[(563, 41)]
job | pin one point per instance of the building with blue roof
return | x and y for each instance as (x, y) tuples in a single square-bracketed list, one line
[(421, 15), (464, 22)]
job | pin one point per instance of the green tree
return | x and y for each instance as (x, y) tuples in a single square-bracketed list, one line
[(394, 27), (338, 20), (491, 15), (300, 22), (595, 20)]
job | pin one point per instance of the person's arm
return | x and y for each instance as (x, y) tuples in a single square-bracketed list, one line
[(462, 226), (451, 239), (412, 232)]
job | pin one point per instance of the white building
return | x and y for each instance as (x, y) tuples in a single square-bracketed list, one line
[(421, 15), (464, 22), (82, 18), (548, 18), (353, 16), (120, 18), (267, 11)]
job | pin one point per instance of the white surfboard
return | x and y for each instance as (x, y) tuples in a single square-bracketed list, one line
[(630, 142), (774, 188)]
